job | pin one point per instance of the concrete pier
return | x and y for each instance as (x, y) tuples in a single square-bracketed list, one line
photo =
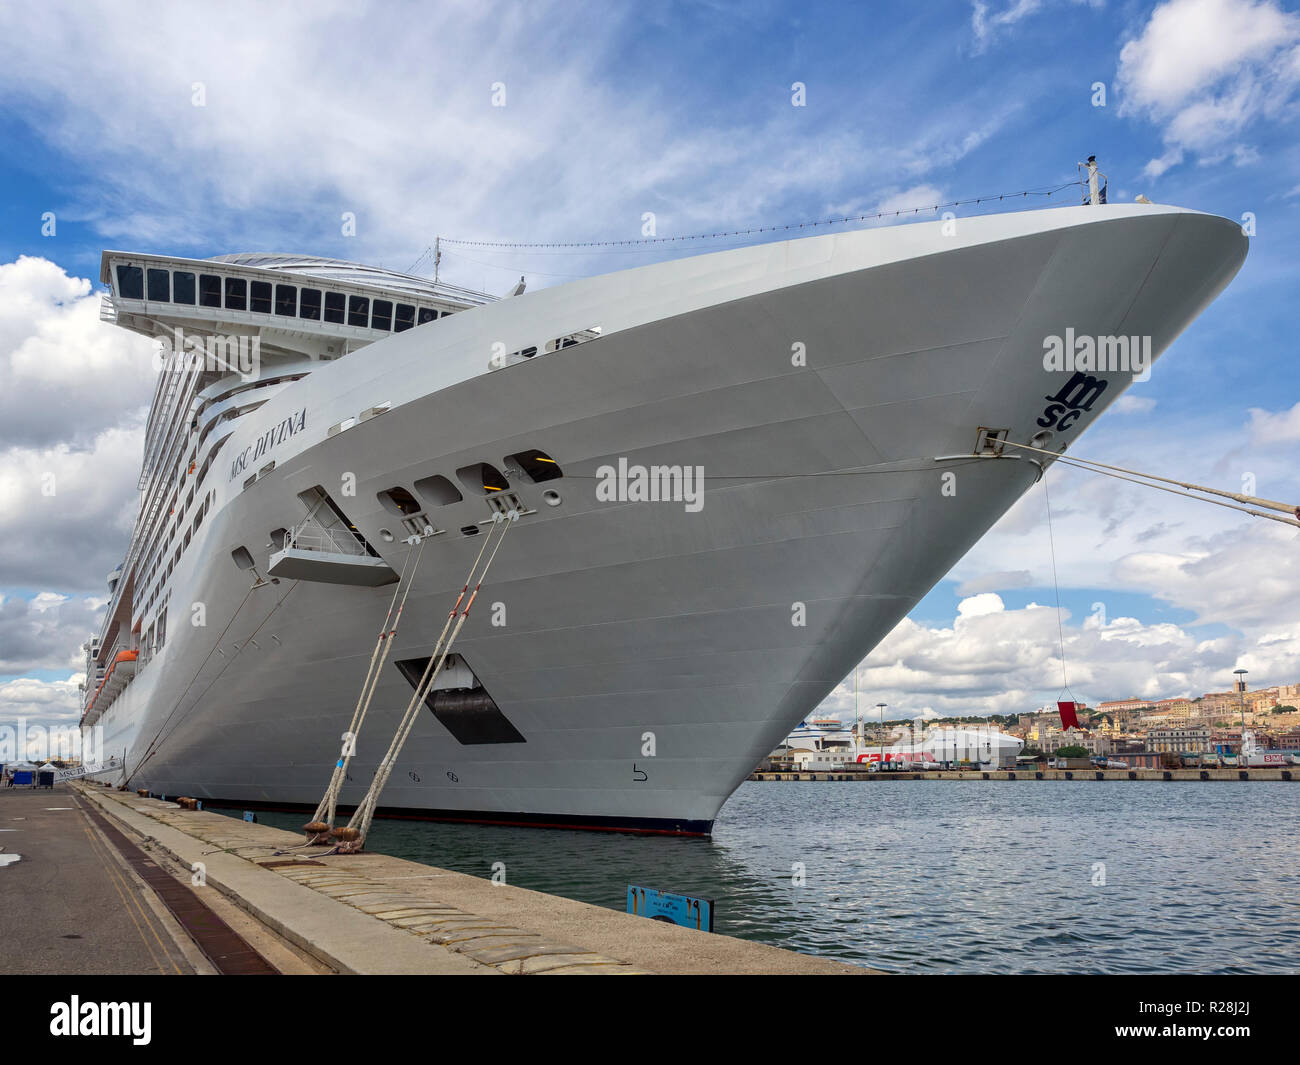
[(371, 913), (1268, 773)]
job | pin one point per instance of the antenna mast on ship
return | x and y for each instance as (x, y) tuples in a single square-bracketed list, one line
[(1096, 191)]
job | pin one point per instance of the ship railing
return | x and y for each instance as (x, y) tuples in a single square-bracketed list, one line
[(311, 535), (107, 309)]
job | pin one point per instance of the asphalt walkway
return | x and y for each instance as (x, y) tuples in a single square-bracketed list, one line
[(69, 904)]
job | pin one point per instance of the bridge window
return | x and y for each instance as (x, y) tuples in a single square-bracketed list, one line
[(130, 282), (381, 314), (405, 318), (160, 286), (183, 287), (358, 311), (427, 314), (286, 300), (438, 490), (260, 301), (309, 304), (236, 294), (209, 290), (334, 307)]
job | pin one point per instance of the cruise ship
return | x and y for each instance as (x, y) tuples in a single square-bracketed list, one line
[(841, 404)]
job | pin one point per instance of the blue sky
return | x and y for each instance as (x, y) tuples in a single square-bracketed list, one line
[(684, 110)]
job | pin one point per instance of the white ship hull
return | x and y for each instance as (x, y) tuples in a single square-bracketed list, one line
[(628, 624)]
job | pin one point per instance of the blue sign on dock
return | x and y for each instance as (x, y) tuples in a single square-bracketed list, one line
[(685, 910)]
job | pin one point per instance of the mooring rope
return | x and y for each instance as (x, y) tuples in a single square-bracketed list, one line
[(1119, 472), (259, 583), (352, 837), (323, 819), (1060, 623), (158, 737)]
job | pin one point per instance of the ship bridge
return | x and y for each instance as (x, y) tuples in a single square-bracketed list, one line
[(234, 331)]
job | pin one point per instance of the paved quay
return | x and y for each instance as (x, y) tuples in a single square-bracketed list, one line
[(70, 904), (372, 913)]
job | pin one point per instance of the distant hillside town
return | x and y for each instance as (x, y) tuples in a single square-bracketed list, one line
[(1151, 733), (1155, 731)]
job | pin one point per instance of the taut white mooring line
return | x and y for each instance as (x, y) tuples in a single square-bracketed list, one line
[(353, 837), (323, 819), (1118, 472)]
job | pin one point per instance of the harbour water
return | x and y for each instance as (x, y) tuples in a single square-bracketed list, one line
[(947, 876)]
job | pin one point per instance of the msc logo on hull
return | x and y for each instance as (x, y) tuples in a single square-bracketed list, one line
[(1075, 398)]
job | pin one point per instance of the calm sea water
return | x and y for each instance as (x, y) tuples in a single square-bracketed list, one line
[(948, 876)]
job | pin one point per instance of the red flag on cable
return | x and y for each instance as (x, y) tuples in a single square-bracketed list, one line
[(1068, 718)]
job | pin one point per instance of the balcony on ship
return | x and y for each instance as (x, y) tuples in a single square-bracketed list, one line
[(318, 549)]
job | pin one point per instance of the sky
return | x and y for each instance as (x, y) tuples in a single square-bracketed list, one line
[(198, 130)]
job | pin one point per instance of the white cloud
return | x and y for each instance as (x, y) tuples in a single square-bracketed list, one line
[(1131, 404), (993, 660), (1246, 577), (73, 394), (1206, 71), (40, 634), (1281, 427), (331, 107), (996, 581), (908, 199), (66, 513), (978, 605), (1116, 540), (1098, 521), (987, 23), (65, 376), (40, 706)]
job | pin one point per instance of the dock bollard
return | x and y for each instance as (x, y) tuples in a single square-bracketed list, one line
[(317, 831), (347, 839)]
